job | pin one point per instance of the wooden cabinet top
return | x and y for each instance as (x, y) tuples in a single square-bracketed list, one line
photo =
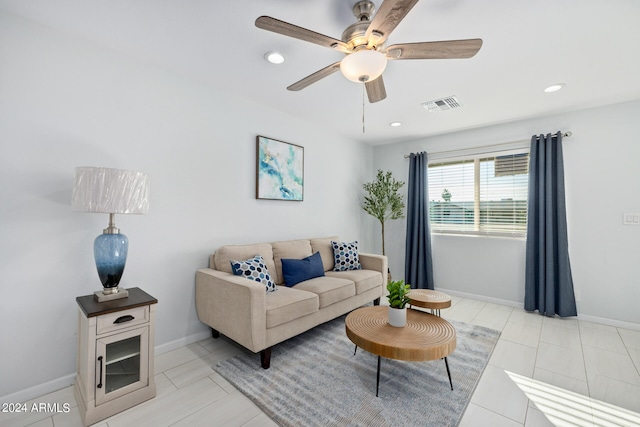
[(137, 298)]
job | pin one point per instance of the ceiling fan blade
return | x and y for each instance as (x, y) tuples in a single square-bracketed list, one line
[(320, 74), (388, 16), (435, 50), (281, 27), (375, 90)]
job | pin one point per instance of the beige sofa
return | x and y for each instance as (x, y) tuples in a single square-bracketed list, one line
[(242, 310)]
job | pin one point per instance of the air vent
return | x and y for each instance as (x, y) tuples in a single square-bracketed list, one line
[(444, 104)]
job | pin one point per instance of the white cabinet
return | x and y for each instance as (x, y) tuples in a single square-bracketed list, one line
[(115, 354)]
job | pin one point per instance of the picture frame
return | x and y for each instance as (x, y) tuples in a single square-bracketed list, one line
[(279, 170)]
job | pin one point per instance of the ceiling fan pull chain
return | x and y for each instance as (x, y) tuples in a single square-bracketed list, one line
[(362, 107)]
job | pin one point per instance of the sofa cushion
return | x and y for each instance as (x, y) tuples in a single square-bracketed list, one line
[(223, 256), (323, 245), (295, 271), (345, 256), (254, 269), (329, 289), (289, 304), (364, 279), (291, 249)]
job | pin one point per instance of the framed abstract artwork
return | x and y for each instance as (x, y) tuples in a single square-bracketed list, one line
[(279, 170)]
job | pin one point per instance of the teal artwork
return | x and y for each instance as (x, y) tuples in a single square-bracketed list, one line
[(280, 170)]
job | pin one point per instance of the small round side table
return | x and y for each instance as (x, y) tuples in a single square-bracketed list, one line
[(427, 298)]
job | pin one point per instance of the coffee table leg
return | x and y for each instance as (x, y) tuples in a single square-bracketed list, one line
[(378, 377), (354, 350), (448, 372)]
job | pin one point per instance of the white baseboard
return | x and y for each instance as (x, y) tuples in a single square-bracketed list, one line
[(167, 347), (482, 298), (585, 317), (67, 380), (30, 393), (610, 322)]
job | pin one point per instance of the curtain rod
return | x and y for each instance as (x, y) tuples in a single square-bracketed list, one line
[(564, 135)]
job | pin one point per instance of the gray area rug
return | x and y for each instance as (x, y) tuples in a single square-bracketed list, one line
[(315, 380)]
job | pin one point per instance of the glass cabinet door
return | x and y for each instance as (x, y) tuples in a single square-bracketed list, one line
[(122, 364)]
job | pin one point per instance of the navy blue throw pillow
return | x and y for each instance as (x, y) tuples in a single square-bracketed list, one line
[(299, 270)]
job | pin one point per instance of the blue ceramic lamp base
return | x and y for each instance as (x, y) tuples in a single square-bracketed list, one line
[(110, 252)]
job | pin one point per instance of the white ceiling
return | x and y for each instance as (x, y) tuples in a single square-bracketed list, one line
[(591, 45)]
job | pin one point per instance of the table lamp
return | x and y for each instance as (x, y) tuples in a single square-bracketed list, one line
[(112, 191)]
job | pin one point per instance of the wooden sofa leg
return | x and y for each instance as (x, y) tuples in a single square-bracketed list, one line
[(214, 333), (376, 301), (265, 358)]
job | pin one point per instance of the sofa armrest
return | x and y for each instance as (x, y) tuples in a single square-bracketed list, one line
[(377, 263), (234, 306)]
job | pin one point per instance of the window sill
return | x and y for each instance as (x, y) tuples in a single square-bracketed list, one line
[(479, 235)]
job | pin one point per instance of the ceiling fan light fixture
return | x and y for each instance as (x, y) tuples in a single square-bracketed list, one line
[(274, 57), (363, 66)]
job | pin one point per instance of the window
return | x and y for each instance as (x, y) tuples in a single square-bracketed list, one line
[(482, 195)]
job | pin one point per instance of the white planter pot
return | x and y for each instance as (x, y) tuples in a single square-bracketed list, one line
[(398, 317)]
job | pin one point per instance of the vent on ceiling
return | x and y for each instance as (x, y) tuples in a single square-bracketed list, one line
[(444, 104)]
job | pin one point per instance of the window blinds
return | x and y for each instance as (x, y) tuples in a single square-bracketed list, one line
[(483, 195)]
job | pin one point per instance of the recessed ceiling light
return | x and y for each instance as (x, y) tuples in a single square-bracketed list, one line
[(395, 124), (555, 87), (274, 57)]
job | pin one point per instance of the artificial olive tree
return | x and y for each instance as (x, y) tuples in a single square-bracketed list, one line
[(383, 200)]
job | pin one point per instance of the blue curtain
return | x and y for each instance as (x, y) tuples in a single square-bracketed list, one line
[(418, 267), (548, 282)]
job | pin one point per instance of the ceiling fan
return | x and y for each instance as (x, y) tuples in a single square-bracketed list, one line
[(363, 43)]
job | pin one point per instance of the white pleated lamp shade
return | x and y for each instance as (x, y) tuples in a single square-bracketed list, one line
[(106, 190)]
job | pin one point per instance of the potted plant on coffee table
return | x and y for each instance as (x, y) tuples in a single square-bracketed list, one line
[(398, 298)]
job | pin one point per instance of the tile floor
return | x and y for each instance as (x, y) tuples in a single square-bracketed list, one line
[(543, 372)]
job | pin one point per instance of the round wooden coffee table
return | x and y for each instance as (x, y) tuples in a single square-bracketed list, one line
[(427, 298), (426, 337)]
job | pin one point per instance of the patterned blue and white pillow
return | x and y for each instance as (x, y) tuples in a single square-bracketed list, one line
[(254, 269), (346, 256)]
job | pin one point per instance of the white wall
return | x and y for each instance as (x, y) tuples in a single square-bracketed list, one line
[(66, 103), (602, 173)]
